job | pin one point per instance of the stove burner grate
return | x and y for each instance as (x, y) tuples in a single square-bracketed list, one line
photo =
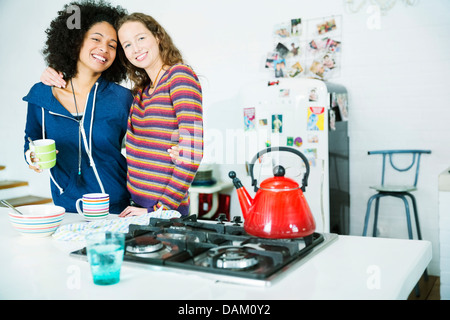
[(144, 244), (232, 257)]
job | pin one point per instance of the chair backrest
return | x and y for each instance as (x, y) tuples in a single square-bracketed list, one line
[(415, 161)]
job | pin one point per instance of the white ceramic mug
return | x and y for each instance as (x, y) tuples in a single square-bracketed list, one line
[(95, 206)]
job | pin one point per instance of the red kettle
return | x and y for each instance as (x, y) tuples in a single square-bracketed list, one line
[(279, 209)]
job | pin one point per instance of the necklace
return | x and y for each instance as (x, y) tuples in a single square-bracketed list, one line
[(74, 99), (79, 132), (156, 79)]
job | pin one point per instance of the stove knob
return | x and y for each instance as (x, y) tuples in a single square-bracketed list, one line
[(222, 217)]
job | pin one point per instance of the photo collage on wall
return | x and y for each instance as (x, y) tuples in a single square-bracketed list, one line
[(306, 48), (300, 49)]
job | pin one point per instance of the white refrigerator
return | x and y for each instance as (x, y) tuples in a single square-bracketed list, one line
[(303, 114)]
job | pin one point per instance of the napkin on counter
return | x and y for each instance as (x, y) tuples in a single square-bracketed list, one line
[(78, 231)]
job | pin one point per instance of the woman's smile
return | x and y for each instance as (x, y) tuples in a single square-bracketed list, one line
[(99, 58), (142, 56)]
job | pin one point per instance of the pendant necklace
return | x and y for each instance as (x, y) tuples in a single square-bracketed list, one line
[(79, 134), (156, 79)]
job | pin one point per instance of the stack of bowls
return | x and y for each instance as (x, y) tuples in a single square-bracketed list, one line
[(37, 220)]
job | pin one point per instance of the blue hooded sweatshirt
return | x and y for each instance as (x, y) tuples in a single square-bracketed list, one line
[(89, 158)]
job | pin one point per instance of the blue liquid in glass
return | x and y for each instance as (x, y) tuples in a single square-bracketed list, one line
[(106, 260)]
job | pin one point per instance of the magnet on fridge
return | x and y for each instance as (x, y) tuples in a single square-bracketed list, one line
[(277, 123), (290, 141), (313, 138), (313, 94), (249, 119), (315, 119), (311, 155), (284, 93), (298, 142)]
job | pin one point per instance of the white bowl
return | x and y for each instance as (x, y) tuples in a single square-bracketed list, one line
[(37, 220)]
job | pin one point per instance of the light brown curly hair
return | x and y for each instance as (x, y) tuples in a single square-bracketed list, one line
[(170, 55)]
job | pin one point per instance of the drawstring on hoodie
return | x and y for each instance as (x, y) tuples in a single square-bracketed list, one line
[(81, 136), (61, 191), (87, 146)]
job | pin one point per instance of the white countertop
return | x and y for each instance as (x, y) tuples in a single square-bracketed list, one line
[(349, 268)]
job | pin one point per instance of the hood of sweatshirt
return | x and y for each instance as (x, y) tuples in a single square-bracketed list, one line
[(42, 96)]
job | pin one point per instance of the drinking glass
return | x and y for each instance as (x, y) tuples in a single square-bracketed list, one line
[(105, 252)]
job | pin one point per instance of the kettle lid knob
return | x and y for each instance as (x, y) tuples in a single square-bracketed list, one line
[(279, 171), (237, 183)]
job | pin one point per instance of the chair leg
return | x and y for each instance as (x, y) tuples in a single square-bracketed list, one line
[(417, 290), (408, 220), (416, 218), (408, 216), (375, 218), (369, 206), (416, 215), (366, 220)]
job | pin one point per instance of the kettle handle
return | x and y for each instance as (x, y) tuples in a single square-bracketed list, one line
[(270, 149)]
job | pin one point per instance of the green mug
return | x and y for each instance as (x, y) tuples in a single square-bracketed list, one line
[(45, 151)]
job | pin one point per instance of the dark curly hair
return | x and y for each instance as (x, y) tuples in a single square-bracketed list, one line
[(63, 45)]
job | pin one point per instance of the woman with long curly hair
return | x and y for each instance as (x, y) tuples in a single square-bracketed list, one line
[(87, 118)]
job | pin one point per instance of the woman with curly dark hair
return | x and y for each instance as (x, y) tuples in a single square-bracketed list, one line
[(87, 118)]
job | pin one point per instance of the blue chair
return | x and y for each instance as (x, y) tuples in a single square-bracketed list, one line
[(398, 191)]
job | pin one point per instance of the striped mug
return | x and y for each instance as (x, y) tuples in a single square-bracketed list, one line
[(95, 206)]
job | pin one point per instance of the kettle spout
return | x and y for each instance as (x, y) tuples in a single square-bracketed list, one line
[(245, 200)]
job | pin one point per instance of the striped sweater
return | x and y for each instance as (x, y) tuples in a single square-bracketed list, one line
[(171, 115)]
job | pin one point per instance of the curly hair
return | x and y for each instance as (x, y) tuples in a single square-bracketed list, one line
[(170, 55), (63, 45)]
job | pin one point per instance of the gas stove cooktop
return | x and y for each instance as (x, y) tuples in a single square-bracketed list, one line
[(220, 250)]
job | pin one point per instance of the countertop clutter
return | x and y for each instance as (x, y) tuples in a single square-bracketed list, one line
[(349, 268)]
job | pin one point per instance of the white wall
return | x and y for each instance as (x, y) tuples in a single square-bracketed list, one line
[(397, 78)]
